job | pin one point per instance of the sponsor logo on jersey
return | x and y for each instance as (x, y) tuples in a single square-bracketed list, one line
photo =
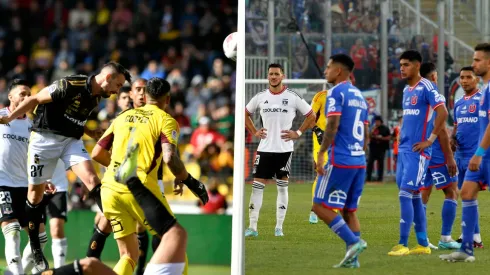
[(266, 102), (15, 137), (468, 119), (76, 121), (413, 100), (482, 113), (472, 108), (411, 112), (36, 159), (285, 101), (272, 110)]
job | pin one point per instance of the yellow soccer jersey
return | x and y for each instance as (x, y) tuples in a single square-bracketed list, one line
[(318, 106), (149, 126)]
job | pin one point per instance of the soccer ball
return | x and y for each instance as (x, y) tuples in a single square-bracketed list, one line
[(230, 45)]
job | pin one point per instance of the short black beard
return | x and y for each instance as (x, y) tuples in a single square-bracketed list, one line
[(273, 85)]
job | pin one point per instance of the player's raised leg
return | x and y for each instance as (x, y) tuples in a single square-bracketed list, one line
[(102, 230)]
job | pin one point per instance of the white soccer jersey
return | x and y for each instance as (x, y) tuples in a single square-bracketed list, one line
[(14, 140), (277, 112), (59, 177)]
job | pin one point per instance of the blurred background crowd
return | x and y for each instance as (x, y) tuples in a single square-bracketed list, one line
[(181, 41)]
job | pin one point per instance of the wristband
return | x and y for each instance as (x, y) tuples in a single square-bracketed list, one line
[(299, 132), (432, 138), (480, 152)]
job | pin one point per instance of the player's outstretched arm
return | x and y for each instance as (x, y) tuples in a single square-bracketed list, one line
[(43, 97), (176, 166)]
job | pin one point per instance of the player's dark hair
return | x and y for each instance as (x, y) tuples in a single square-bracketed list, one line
[(427, 68), (276, 65), (141, 80), (123, 90), (467, 68), (484, 47), (157, 87), (17, 82), (344, 60), (411, 55), (119, 69)]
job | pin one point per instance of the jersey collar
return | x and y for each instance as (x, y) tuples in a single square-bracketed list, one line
[(88, 84), (470, 96), (284, 87), (416, 84)]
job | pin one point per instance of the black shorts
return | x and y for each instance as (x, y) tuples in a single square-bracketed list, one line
[(13, 204), (56, 205), (272, 165)]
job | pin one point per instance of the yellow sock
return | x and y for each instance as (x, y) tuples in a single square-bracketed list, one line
[(186, 267), (125, 266), (313, 187)]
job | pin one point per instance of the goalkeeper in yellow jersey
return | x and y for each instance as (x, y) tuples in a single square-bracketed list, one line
[(318, 106)]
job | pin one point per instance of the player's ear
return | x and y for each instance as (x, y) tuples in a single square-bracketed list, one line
[(108, 76)]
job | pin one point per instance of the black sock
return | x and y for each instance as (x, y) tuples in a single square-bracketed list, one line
[(69, 269), (97, 243), (143, 240), (155, 242), (155, 212), (34, 212)]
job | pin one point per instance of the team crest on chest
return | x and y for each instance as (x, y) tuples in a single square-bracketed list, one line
[(413, 100), (472, 108), (285, 101)]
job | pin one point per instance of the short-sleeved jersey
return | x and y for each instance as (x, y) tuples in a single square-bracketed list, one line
[(277, 112), (318, 105), (419, 103), (72, 103), (149, 126), (347, 149), (484, 112), (466, 110), (14, 141)]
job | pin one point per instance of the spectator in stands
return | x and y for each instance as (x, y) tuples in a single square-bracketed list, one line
[(204, 135), (217, 202), (379, 142), (123, 99), (359, 56), (79, 17), (153, 70)]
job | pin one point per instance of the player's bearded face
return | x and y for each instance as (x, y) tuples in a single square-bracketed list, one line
[(480, 63), (111, 85), (275, 77), (19, 93)]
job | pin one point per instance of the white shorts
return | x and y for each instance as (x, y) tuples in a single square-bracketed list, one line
[(44, 151), (59, 178), (165, 269)]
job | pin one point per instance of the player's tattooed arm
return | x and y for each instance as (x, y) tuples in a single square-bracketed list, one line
[(330, 132), (172, 159)]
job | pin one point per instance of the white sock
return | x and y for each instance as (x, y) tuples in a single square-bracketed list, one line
[(446, 239), (477, 237), (165, 269), (255, 203), (27, 261), (12, 247), (58, 249), (282, 202)]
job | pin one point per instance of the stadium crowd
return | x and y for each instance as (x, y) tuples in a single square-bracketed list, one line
[(179, 41)]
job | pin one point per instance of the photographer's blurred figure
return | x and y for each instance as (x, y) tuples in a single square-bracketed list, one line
[(379, 143)]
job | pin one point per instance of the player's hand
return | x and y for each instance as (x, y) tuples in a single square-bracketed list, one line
[(319, 134), (451, 167), (261, 133), (420, 146), (319, 164), (197, 188), (178, 187), (50, 188), (289, 135), (4, 120), (474, 164)]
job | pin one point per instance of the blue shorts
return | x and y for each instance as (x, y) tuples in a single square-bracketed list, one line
[(410, 170), (462, 164), (482, 176), (438, 176), (340, 188)]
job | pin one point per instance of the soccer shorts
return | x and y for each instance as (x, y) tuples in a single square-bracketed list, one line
[(410, 170), (44, 151), (56, 205), (124, 212), (316, 148), (340, 188), (269, 165), (482, 176), (13, 204), (438, 176), (462, 164)]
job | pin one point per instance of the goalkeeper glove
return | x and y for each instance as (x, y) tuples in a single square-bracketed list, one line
[(319, 134), (197, 188)]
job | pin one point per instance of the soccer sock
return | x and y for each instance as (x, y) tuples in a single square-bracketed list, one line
[(97, 242), (448, 217), (11, 232), (155, 242), (282, 202), (255, 203), (341, 228), (69, 269), (143, 241), (468, 221), (406, 216), (27, 261), (420, 220), (125, 266), (34, 213), (58, 249), (476, 236), (313, 187)]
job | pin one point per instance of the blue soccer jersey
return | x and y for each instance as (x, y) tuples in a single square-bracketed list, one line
[(419, 103), (484, 112), (466, 111), (437, 155), (346, 101)]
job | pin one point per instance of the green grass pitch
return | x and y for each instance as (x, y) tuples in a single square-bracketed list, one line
[(314, 248)]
